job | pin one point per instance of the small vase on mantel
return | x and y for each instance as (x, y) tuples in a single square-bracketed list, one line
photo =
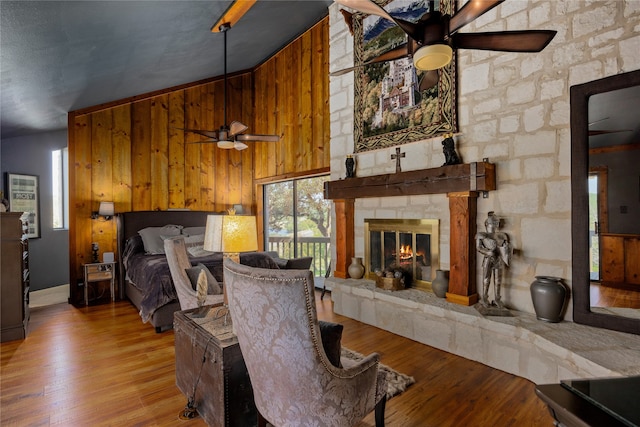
[(548, 294), (356, 269), (440, 285)]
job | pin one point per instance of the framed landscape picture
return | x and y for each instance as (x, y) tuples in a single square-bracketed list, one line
[(390, 108), (23, 194)]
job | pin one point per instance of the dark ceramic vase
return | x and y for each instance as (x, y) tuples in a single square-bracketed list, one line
[(440, 284), (548, 295)]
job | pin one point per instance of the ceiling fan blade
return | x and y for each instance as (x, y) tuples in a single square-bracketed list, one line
[(204, 141), (505, 41), (240, 146), (470, 11), (398, 53), (255, 137), (429, 79), (208, 133), (605, 132), (236, 127), (365, 6)]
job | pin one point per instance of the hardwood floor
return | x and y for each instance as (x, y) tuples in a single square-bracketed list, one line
[(102, 366), (605, 295)]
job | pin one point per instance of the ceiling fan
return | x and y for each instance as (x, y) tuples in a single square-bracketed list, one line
[(593, 132), (434, 36), (230, 135)]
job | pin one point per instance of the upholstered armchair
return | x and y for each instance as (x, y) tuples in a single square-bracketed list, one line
[(294, 383), (178, 260)]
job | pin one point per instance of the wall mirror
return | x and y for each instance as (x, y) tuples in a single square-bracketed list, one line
[(605, 174)]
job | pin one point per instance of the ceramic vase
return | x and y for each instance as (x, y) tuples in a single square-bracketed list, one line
[(440, 284), (548, 295), (356, 269)]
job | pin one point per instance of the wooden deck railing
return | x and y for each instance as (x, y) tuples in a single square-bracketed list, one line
[(316, 247)]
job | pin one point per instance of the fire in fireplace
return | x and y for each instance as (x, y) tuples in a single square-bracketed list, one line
[(410, 245)]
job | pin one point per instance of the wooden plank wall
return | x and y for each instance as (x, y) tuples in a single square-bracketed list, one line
[(131, 152)]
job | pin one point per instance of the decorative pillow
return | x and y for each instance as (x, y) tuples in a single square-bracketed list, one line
[(193, 272), (193, 231), (331, 335), (152, 237), (195, 245)]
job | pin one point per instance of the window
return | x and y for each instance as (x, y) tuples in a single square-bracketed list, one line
[(59, 183), (298, 220)]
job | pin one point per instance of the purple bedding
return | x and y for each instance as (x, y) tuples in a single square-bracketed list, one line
[(151, 275)]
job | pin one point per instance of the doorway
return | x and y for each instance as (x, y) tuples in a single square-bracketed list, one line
[(297, 221), (598, 218)]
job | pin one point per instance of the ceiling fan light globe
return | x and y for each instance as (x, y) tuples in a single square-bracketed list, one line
[(227, 145), (432, 57)]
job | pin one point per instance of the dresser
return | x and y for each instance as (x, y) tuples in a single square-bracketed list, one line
[(14, 280)]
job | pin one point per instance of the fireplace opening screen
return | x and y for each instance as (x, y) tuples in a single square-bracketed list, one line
[(411, 245)]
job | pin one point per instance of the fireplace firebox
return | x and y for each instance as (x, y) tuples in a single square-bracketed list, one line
[(411, 245)]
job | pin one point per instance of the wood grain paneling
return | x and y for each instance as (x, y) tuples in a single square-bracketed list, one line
[(132, 152)]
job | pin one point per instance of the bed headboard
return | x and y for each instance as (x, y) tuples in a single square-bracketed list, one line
[(128, 224)]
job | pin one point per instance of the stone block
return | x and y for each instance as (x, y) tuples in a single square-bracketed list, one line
[(536, 168), (519, 199), (521, 93), (542, 142), (558, 197), (533, 118), (546, 238)]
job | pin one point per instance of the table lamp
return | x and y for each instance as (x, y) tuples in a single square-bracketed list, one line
[(230, 234)]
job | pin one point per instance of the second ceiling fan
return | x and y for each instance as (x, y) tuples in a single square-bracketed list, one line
[(230, 135), (433, 38)]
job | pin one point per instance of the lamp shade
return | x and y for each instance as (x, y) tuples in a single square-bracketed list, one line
[(213, 234), (106, 209), (432, 57), (239, 234)]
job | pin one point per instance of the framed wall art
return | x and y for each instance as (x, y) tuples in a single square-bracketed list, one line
[(389, 107), (23, 194)]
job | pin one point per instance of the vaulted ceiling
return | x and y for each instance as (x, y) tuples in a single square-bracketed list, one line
[(60, 56)]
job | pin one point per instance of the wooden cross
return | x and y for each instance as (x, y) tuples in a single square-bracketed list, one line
[(397, 158)]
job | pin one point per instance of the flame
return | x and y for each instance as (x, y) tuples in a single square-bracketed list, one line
[(406, 251)]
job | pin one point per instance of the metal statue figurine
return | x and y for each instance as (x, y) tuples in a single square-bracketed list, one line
[(497, 251), (350, 164), (449, 150)]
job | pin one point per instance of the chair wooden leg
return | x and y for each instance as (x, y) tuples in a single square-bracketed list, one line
[(262, 422), (379, 411)]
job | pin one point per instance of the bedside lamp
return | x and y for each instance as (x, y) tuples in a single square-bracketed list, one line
[(106, 210)]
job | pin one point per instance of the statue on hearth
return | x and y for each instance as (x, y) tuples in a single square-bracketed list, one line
[(497, 251), (449, 150)]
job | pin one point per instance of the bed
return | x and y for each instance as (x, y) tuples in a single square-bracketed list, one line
[(145, 279)]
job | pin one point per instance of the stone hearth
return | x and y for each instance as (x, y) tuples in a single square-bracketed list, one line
[(521, 345)]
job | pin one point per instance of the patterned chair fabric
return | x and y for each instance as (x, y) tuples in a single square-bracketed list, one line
[(178, 261), (294, 383)]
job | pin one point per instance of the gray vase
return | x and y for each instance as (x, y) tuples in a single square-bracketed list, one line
[(548, 295), (440, 284)]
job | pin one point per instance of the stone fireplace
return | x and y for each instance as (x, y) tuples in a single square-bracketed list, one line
[(411, 245)]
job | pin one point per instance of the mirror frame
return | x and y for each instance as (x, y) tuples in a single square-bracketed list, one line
[(579, 98)]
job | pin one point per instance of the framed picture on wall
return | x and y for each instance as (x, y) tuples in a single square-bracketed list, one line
[(392, 105), (23, 195)]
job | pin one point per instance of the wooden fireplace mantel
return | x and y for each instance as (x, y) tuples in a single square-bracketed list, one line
[(461, 183), (445, 179)]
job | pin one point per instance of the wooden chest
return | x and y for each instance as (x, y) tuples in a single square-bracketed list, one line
[(210, 367)]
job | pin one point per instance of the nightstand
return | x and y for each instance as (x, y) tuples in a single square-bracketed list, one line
[(98, 272)]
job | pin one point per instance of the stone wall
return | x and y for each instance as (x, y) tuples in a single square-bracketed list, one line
[(514, 110)]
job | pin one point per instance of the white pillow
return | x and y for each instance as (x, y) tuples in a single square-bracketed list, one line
[(195, 245), (152, 237), (192, 231)]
